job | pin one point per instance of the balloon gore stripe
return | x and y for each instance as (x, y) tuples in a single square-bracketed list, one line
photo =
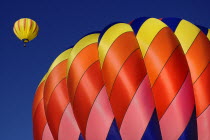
[(57, 102), (148, 80), (125, 78), (193, 39), (41, 129)]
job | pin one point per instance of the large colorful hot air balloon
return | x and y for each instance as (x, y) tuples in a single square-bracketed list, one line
[(26, 29), (148, 80)]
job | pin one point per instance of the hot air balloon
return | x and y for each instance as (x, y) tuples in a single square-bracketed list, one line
[(56, 101), (144, 80), (26, 29)]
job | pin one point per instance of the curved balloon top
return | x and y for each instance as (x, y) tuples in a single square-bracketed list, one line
[(26, 29)]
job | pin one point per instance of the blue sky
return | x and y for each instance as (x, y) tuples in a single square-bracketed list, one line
[(62, 23)]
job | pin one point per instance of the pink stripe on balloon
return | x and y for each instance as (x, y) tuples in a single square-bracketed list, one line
[(139, 113), (204, 125), (47, 133), (68, 129), (179, 112), (100, 118)]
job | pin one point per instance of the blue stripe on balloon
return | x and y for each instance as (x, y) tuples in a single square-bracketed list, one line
[(203, 29), (113, 132), (190, 132), (152, 131), (136, 24), (80, 137), (172, 22)]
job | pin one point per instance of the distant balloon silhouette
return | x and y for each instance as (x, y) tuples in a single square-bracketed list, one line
[(148, 80), (26, 29)]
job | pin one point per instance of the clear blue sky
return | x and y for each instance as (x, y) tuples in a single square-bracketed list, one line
[(62, 24)]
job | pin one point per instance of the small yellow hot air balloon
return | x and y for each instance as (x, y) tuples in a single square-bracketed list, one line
[(26, 29)]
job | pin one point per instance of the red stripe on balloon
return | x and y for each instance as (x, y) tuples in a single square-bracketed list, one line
[(40, 126), (170, 80), (78, 67), (57, 100), (179, 112), (24, 25), (126, 84), (56, 75), (31, 24), (56, 107), (167, 69), (119, 51), (89, 87), (198, 58), (202, 86), (38, 97), (155, 58), (39, 122)]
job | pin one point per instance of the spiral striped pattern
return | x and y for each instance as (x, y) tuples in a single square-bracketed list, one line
[(196, 47), (127, 83), (169, 77), (58, 109), (87, 92), (41, 129), (144, 80)]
